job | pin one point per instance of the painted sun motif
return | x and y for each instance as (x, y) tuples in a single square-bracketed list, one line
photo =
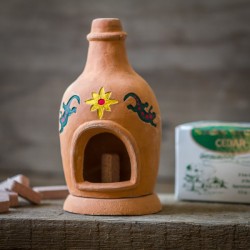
[(101, 102)]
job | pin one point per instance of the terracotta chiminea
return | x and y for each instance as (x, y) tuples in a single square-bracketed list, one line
[(110, 131)]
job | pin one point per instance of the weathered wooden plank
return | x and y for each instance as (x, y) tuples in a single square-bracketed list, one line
[(180, 225)]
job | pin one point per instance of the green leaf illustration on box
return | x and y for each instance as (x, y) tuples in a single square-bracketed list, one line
[(196, 180)]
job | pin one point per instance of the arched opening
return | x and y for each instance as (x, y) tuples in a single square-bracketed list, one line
[(97, 146)]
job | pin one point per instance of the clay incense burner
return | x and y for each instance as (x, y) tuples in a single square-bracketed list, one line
[(110, 131)]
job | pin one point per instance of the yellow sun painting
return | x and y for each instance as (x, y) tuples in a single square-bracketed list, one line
[(101, 102)]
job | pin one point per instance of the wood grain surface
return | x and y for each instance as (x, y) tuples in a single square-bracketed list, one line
[(180, 225)]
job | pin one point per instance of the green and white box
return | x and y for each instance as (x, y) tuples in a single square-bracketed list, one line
[(213, 162)]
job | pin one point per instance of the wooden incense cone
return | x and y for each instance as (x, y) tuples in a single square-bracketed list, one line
[(4, 203), (18, 178), (21, 179), (24, 191), (13, 197), (110, 168), (52, 192)]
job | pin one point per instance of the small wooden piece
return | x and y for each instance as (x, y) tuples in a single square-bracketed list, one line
[(3, 185), (4, 203), (21, 179), (110, 168), (24, 191), (52, 192), (13, 197), (18, 178)]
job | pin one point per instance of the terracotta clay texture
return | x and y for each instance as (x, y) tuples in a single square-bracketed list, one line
[(110, 110)]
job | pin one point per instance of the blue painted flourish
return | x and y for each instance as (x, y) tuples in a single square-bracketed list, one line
[(67, 111)]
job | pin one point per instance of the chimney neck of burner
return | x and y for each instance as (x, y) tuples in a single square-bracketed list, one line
[(107, 50)]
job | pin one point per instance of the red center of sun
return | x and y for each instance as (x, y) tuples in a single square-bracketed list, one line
[(101, 101)]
